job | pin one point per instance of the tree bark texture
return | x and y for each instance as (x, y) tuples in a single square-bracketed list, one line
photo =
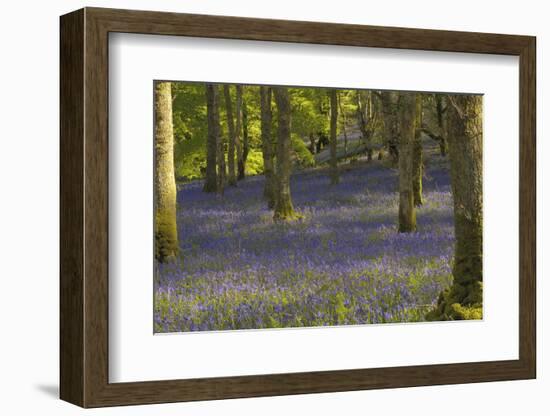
[(231, 176), (364, 119), (266, 117), (334, 175), (407, 116), (441, 110), (344, 124), (238, 131), (466, 156), (283, 201), (213, 121), (246, 144), (417, 154), (464, 299), (166, 231), (222, 171), (391, 123)]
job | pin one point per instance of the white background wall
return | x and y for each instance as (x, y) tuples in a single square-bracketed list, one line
[(29, 158)]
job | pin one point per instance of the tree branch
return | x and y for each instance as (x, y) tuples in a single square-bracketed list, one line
[(456, 107), (431, 134)]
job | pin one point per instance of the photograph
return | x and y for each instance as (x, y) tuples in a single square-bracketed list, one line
[(290, 206)]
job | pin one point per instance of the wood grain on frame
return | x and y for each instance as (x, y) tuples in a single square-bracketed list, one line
[(72, 215), (84, 207)]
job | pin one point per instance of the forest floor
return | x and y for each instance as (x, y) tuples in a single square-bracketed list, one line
[(344, 263)]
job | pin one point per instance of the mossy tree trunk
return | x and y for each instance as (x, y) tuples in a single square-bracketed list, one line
[(391, 122), (417, 154), (465, 146), (213, 124), (266, 118), (166, 231), (441, 110), (283, 201), (407, 116), (231, 176), (238, 131), (334, 175), (466, 156)]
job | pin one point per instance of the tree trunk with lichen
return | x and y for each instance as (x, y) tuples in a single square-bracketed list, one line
[(166, 231), (465, 146), (213, 125), (238, 131), (231, 176), (266, 117), (391, 122), (417, 154), (283, 201), (334, 175), (407, 117)]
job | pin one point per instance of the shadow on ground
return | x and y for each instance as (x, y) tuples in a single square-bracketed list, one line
[(51, 390)]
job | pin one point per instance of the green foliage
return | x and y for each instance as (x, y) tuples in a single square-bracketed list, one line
[(310, 111), (310, 116), (254, 163), (340, 308), (190, 129), (303, 156), (251, 97)]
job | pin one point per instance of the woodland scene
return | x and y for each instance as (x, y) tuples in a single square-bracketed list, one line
[(280, 207)]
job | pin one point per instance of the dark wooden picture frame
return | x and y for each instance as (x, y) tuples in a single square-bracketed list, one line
[(84, 207)]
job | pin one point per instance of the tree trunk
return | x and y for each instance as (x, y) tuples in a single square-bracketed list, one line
[(231, 177), (283, 201), (344, 123), (334, 176), (361, 113), (407, 110), (222, 172), (166, 230), (465, 145), (369, 125), (267, 145), (391, 124), (246, 144), (363, 121), (238, 131), (213, 121), (417, 154), (466, 155), (312, 143), (441, 109)]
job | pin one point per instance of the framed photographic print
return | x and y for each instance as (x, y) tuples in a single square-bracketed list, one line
[(255, 207)]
